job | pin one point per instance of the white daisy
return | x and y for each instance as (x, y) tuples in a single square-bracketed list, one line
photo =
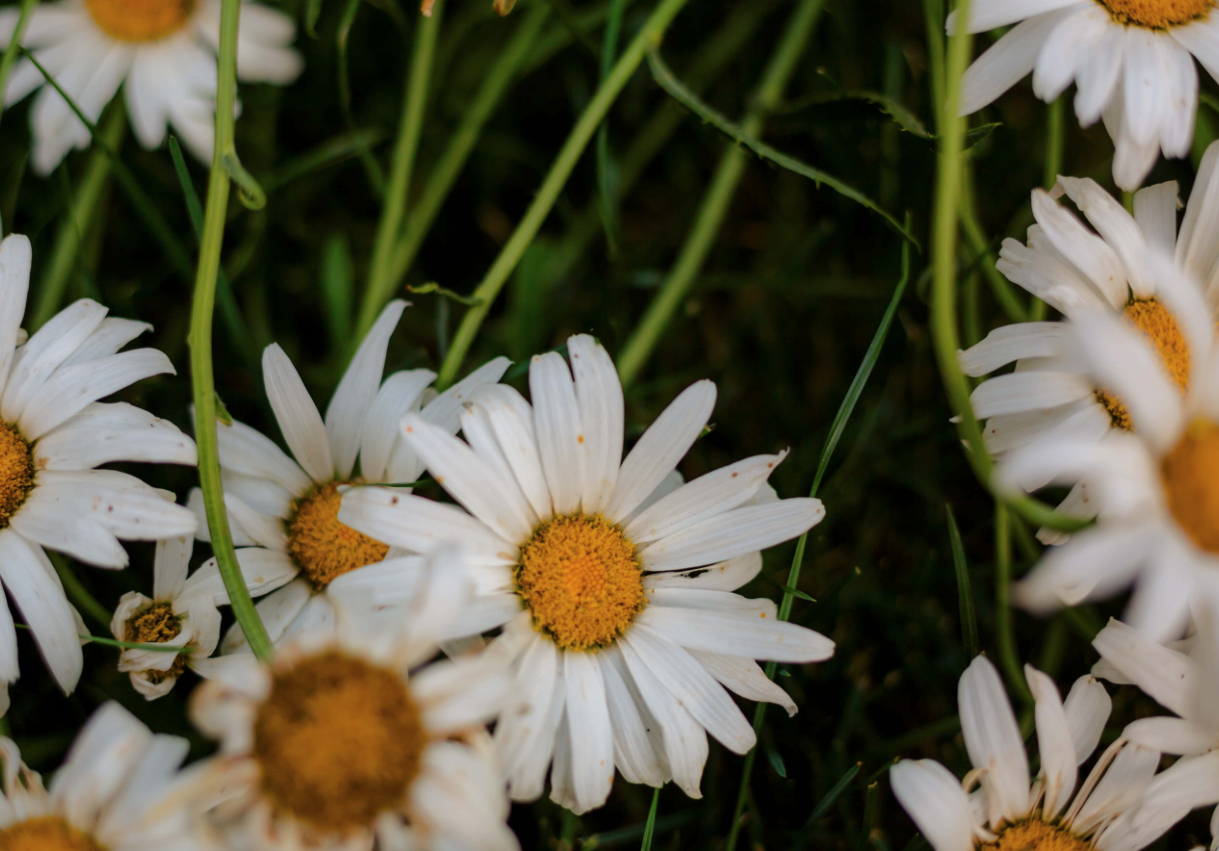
[(1181, 679), (284, 512), (1156, 487), (164, 50), (345, 739), (118, 790), (1131, 61), (1006, 812), (613, 587), (181, 613), (53, 434), (1077, 272)]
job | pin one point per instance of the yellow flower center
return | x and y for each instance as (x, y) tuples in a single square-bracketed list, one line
[(156, 625), (1155, 322), (581, 579), (16, 472), (140, 20), (1035, 835), (46, 833), (1157, 14), (339, 741), (1191, 483), (323, 547)]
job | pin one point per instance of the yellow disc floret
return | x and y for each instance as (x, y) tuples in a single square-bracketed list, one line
[(46, 833), (1191, 483), (156, 625), (581, 579), (140, 20), (1156, 323), (323, 547), (338, 741), (16, 472), (1157, 14), (1035, 835)]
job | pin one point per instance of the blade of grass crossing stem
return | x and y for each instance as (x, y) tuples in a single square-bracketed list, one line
[(680, 92), (11, 52), (553, 184), (203, 384), (865, 370), (443, 174), (793, 576), (722, 188), (969, 618), (650, 826), (410, 128), (607, 169)]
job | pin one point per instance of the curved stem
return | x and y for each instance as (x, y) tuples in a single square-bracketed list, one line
[(381, 279), (549, 191), (12, 51), (715, 203), (203, 384)]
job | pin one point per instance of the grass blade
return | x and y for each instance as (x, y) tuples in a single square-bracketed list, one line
[(650, 827), (969, 618), (607, 169)]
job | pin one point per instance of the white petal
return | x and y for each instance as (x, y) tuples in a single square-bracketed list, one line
[(733, 533), (1007, 61), (592, 736), (1155, 210), (724, 576), (510, 418), (443, 410), (993, 741), (744, 677), (296, 414), (638, 742), (992, 14), (751, 636), (1059, 765), (31, 580), (1009, 343), (1163, 674), (1087, 710), (170, 565), (560, 431), (420, 525), (933, 798), (1171, 735), (15, 257), (46, 350), (396, 397), (599, 396), (1094, 564), (1087, 251), (246, 451)]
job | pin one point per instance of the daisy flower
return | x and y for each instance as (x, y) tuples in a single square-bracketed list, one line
[(53, 434), (164, 50), (284, 510), (119, 790), (613, 588), (1156, 486), (1007, 812), (182, 613), (1078, 271), (1131, 62), (347, 739)]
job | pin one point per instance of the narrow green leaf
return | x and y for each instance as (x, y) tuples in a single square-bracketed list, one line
[(193, 208), (338, 288), (796, 592), (681, 93), (648, 828), (969, 619), (776, 762), (222, 413), (828, 799), (433, 287), (865, 370)]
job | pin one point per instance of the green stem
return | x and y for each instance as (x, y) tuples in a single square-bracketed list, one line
[(649, 827), (933, 12), (76, 222), (715, 203), (11, 52), (549, 191), (78, 593), (1005, 634), (203, 383), (381, 280), (1002, 288), (444, 174), (1053, 143)]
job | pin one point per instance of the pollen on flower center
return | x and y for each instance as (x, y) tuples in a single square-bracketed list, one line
[(16, 472), (338, 740), (323, 547), (1191, 483), (156, 625), (581, 579), (140, 20), (1035, 835), (46, 833), (1154, 321), (1157, 14)]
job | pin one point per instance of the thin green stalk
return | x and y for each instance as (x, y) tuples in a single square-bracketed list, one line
[(933, 11), (1000, 286), (77, 220), (203, 384), (1053, 143), (549, 191), (78, 593), (444, 174), (607, 189), (723, 187), (381, 280), (650, 827), (1004, 629), (13, 50)]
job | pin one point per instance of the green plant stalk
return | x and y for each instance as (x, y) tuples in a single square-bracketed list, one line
[(715, 203), (1053, 143), (933, 11), (444, 174), (381, 280), (555, 180), (78, 219), (78, 593), (1005, 635), (1002, 288), (203, 384), (13, 50), (607, 192), (650, 827)]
